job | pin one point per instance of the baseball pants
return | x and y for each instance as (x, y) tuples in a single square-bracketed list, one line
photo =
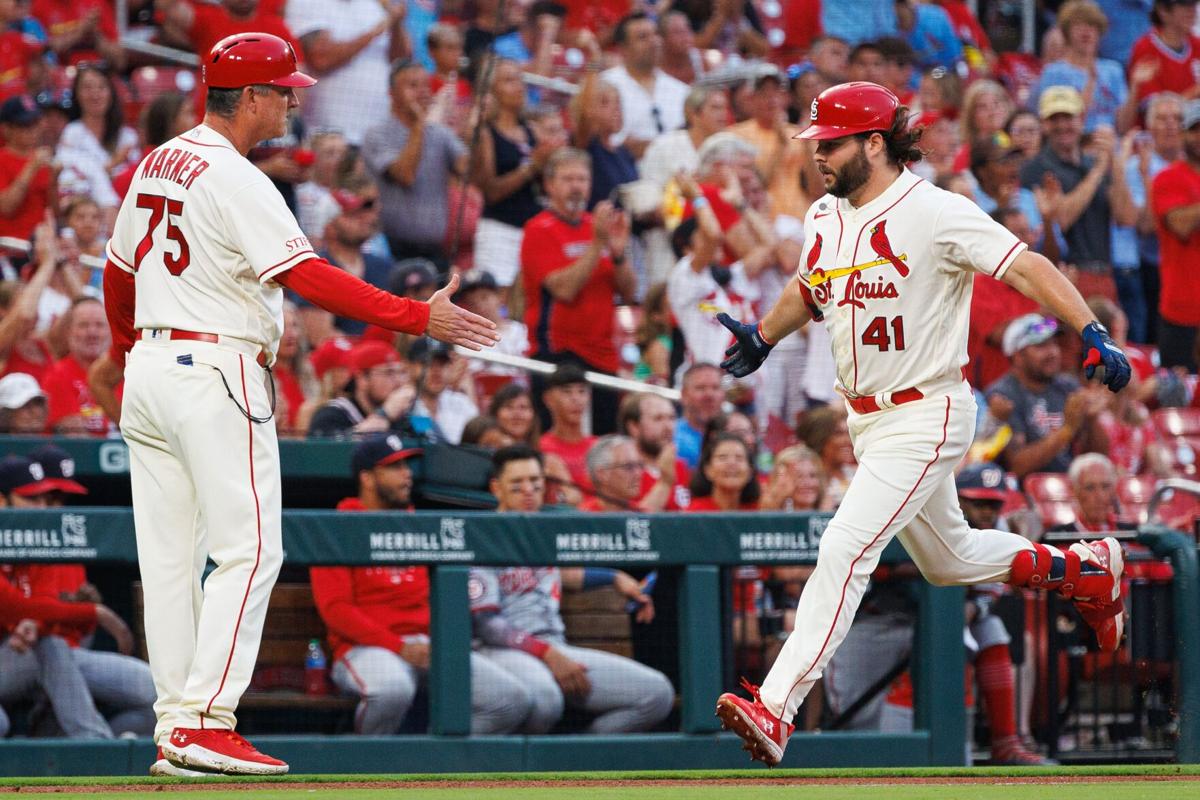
[(50, 666), (205, 485), (386, 685), (625, 697), (904, 487), (122, 685)]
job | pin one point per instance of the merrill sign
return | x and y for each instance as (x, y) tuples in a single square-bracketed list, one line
[(69, 542), (799, 545), (449, 544), (632, 545)]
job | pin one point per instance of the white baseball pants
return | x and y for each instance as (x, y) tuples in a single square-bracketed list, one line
[(205, 485), (904, 487)]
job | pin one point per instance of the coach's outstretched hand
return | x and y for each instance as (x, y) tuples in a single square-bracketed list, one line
[(1101, 351), (449, 323), (749, 349)]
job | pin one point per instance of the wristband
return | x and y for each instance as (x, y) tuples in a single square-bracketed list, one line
[(763, 336), (598, 576), (700, 202)]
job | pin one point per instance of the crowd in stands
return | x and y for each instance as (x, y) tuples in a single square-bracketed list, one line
[(605, 178)]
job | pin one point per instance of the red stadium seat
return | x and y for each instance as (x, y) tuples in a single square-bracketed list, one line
[(1177, 422), (1134, 492), (1048, 487), (487, 384), (1056, 512), (1178, 510)]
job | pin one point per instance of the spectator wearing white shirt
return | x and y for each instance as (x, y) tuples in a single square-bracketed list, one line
[(651, 100), (349, 45), (706, 110), (315, 205), (97, 143), (434, 366), (480, 294)]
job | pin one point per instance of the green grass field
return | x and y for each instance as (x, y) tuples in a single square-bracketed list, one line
[(1069, 783)]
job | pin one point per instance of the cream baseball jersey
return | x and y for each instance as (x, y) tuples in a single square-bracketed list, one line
[(892, 281), (204, 231)]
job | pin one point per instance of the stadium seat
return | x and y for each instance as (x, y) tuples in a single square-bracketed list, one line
[(147, 83), (487, 384), (1052, 497), (1173, 422), (1134, 492), (1178, 510)]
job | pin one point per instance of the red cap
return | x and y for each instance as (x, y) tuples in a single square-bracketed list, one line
[(371, 354), (333, 352), (251, 59), (849, 108)]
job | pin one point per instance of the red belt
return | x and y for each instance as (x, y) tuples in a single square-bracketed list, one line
[(197, 336), (867, 404)]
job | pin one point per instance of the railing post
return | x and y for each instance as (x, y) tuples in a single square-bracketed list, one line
[(1185, 591), (700, 647), (939, 663), (450, 654)]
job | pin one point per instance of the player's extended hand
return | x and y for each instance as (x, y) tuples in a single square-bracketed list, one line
[(571, 676), (749, 349), (449, 323), (1101, 351)]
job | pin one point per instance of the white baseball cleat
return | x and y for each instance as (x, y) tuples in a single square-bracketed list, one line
[(220, 751), (165, 769)]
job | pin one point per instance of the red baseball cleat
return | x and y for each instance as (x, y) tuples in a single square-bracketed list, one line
[(218, 750), (765, 734), (163, 768), (1011, 753), (1105, 615)]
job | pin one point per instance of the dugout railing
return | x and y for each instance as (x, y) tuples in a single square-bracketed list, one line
[(450, 542)]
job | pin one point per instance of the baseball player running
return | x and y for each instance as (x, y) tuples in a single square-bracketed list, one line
[(888, 267), (200, 250)]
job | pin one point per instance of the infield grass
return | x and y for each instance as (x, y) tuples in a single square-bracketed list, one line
[(1114, 789)]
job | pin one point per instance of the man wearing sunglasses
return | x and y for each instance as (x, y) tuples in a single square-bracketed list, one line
[(888, 267)]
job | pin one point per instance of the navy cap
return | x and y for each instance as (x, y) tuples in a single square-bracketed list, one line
[(427, 348), (21, 476), (59, 467), (984, 481), (475, 279), (20, 110), (381, 450), (412, 273)]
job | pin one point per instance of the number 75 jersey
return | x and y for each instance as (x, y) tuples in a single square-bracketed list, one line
[(892, 281), (204, 231)]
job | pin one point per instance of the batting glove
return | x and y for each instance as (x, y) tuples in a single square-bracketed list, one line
[(1100, 350), (749, 349)]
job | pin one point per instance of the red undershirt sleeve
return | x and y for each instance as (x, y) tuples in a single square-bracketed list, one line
[(15, 607), (337, 291), (118, 307)]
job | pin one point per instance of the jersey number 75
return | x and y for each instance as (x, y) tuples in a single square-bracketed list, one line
[(160, 206)]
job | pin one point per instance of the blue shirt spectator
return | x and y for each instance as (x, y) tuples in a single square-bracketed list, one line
[(932, 35), (421, 16), (859, 21), (1127, 21), (1027, 203), (1108, 94), (687, 443)]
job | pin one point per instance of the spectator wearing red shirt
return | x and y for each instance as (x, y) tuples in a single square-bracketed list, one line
[(17, 49), (574, 267), (1175, 198), (81, 30), (725, 478), (26, 180), (201, 25), (1167, 57), (566, 398), (378, 617), (73, 410), (649, 420), (612, 463)]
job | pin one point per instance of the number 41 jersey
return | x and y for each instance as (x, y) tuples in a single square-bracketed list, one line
[(892, 281), (204, 231)]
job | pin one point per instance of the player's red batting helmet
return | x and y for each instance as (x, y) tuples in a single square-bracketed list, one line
[(849, 108), (249, 59)]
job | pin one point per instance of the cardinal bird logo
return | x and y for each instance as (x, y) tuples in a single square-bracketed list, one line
[(813, 255), (883, 248)]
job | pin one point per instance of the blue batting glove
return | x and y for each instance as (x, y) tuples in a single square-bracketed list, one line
[(1101, 351), (749, 349)]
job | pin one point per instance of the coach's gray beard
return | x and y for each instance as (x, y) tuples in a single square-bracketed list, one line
[(852, 177)]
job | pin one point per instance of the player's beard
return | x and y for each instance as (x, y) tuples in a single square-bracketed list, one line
[(852, 176)]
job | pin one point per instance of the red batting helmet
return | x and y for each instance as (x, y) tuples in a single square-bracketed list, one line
[(849, 108), (249, 59)]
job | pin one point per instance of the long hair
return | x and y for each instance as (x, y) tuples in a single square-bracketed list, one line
[(114, 116), (902, 140), (505, 395), (158, 120), (701, 486)]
